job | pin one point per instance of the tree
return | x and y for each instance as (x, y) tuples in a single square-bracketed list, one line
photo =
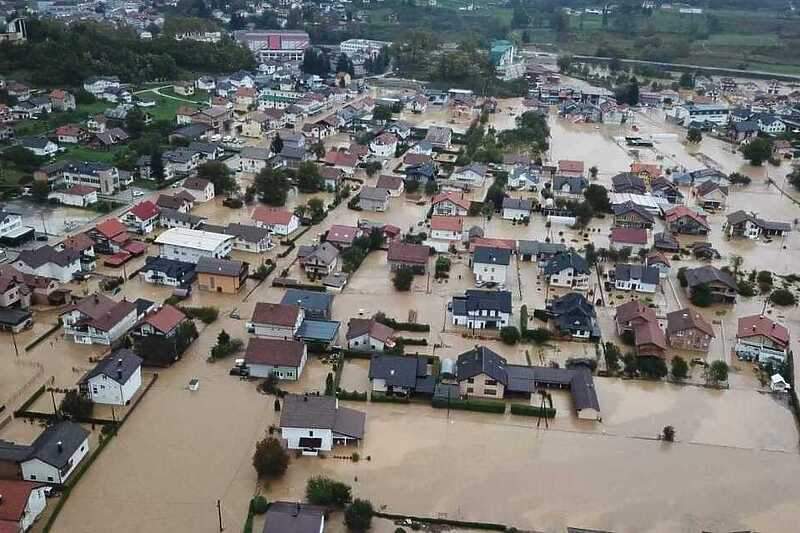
[(134, 123), (431, 187), (219, 174), (682, 277), (316, 209), (782, 297), (718, 372), (277, 144), (668, 434), (358, 515), (679, 368), (686, 81), (694, 135), (272, 186), (597, 197), (509, 335), (328, 492), (737, 178), (757, 151), (652, 367), (612, 357), (270, 458), (702, 296), (564, 63), (539, 335), (76, 406), (318, 149), (403, 277), (329, 385), (308, 178), (40, 190), (382, 113), (226, 346), (344, 64), (372, 168), (593, 171), (736, 262)]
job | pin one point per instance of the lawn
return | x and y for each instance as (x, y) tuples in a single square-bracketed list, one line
[(84, 153)]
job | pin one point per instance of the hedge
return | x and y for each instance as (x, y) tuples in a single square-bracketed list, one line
[(354, 396), (532, 410), (486, 526), (403, 326), (381, 397), (411, 342), (355, 354), (483, 406)]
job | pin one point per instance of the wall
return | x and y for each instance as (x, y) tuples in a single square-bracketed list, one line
[(215, 283), (293, 435), (481, 387)]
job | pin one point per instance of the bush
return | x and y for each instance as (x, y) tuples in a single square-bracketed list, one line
[(401, 326), (76, 406), (259, 505), (782, 297), (651, 367), (354, 396), (207, 315), (403, 277), (718, 372), (538, 335), (682, 277), (524, 409), (226, 346), (328, 492), (612, 356), (745, 288), (668, 433), (270, 459), (358, 515), (483, 406), (701, 296), (379, 397), (509, 335), (679, 368)]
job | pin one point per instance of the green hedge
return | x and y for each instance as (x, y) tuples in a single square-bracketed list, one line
[(403, 326), (355, 354), (381, 397), (354, 396), (532, 410), (482, 406), (411, 342)]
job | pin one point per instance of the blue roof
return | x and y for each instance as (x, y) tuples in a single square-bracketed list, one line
[(309, 300), (318, 330)]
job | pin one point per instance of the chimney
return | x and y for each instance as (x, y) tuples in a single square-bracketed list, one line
[(119, 362), (60, 446), (119, 373)]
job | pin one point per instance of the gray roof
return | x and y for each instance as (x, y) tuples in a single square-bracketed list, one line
[(398, 370), (253, 152), (212, 265), (34, 142), (564, 260), (293, 152), (46, 445), (628, 182), (179, 216), (517, 203), (627, 272), (48, 254), (538, 247), (119, 366), (626, 207), (321, 412), (575, 184), (247, 232), (376, 194), (481, 360), (288, 517), (169, 267), (318, 330), (709, 274), (312, 302), (13, 452), (479, 300), (494, 256), (324, 253)]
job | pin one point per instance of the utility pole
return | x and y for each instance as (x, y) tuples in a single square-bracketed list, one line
[(14, 340), (53, 397), (219, 514)]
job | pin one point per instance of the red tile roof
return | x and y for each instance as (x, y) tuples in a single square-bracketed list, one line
[(271, 215), (342, 234), (15, 498), (446, 223), (755, 325), (650, 169), (341, 159), (569, 165), (80, 190), (110, 228), (145, 210), (629, 235), (165, 319), (453, 197), (688, 318), (274, 352), (507, 244), (79, 242), (278, 314), (682, 211), (408, 253), (632, 310)]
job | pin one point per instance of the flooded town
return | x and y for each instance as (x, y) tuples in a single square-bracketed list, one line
[(281, 300)]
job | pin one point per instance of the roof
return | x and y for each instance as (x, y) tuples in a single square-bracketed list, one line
[(754, 325), (165, 319), (357, 327), (649, 332), (449, 196), (443, 223), (481, 360), (321, 412), (494, 256), (629, 235), (324, 253), (341, 234), (274, 352), (709, 274), (80, 190), (391, 183), (681, 211), (479, 300), (627, 207), (15, 499), (524, 204), (221, 267), (633, 310), (272, 215), (192, 238), (626, 272), (408, 253), (569, 165), (308, 300), (688, 318), (46, 446), (491, 242), (564, 260), (47, 254), (119, 366), (247, 232), (709, 186), (575, 184), (110, 227), (277, 314), (373, 193), (318, 330), (170, 267), (538, 247), (651, 169), (288, 517), (398, 370)]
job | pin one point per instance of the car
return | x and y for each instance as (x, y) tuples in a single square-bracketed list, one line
[(227, 139), (138, 194)]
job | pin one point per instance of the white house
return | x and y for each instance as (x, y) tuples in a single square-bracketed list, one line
[(76, 196), (636, 278), (281, 358), (517, 208), (189, 245), (201, 189), (142, 218), (384, 145), (56, 453), (473, 174), (97, 319), (97, 85), (447, 228), (48, 262), (368, 335), (276, 320), (253, 159), (279, 221), (21, 505), (568, 269), (490, 265), (40, 146), (450, 204), (481, 309), (317, 423), (114, 380)]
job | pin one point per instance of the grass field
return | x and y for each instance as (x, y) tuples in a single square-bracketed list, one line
[(84, 153)]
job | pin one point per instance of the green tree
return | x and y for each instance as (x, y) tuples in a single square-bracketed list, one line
[(372, 168), (358, 516), (597, 197), (509, 335), (219, 174), (328, 492), (272, 186), (611, 355), (157, 166), (40, 191), (382, 113), (564, 63), (431, 187), (316, 209), (679, 368), (403, 277), (329, 385), (736, 262), (270, 458), (702, 296), (539, 335), (277, 144), (668, 433), (652, 367), (718, 372), (694, 135), (308, 178), (757, 151), (76, 406), (782, 297), (134, 123)]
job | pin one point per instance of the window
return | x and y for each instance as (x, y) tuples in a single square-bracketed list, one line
[(471, 380), (470, 390), (33, 476), (491, 382), (49, 478)]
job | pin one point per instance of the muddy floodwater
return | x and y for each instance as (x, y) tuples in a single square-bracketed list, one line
[(735, 465)]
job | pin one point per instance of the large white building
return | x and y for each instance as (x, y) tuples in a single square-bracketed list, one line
[(479, 309), (362, 47), (275, 45), (189, 245), (715, 113)]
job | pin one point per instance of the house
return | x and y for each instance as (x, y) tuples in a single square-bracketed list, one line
[(472, 174), (62, 100), (70, 134), (649, 340), (481, 309), (160, 271), (401, 129), (663, 188), (440, 137), (294, 517), (659, 261), (761, 339), (384, 145), (97, 319), (373, 199), (280, 321), (344, 161), (331, 177), (402, 375), (318, 260), (517, 208), (743, 131), (83, 245), (181, 202), (688, 330), (114, 380), (574, 316), (421, 173), (633, 238), (93, 174), (190, 245), (283, 359), (541, 252), (12, 232), (247, 238), (646, 171), (748, 225), (41, 146), (220, 275), (666, 242), (163, 321), (180, 161), (627, 182), (342, 236), (687, 221), (632, 314), (525, 177), (450, 204), (393, 184), (569, 187), (637, 278), (315, 305), (109, 236), (172, 218), (710, 195), (631, 215), (490, 265), (142, 218), (279, 221), (568, 269), (447, 228), (48, 262), (201, 189), (75, 196), (406, 255), (367, 334), (316, 423), (721, 284), (56, 453), (23, 502), (569, 167)]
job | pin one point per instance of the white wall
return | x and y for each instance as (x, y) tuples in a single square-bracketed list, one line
[(293, 435), (365, 343), (109, 392), (486, 273), (36, 504), (192, 255), (36, 470)]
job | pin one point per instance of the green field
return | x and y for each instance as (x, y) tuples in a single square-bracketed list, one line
[(84, 153)]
